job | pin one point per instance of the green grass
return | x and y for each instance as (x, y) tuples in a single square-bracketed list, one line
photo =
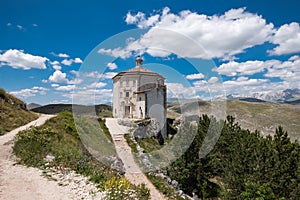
[(149, 144), (105, 129), (131, 143), (164, 187), (12, 113), (58, 137)]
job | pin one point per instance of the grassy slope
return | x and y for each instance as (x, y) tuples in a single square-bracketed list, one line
[(58, 137), (265, 117), (102, 110), (13, 114)]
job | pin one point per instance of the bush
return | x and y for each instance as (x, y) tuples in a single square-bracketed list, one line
[(2, 93)]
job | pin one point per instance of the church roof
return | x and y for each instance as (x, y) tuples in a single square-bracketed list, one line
[(137, 70)]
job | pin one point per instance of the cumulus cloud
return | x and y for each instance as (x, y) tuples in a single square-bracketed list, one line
[(287, 37), (58, 77), (97, 85), (56, 67), (29, 92), (243, 68), (61, 55), (195, 76), (61, 77), (140, 20), (54, 62), (18, 59), (178, 90), (66, 88), (112, 66), (54, 85), (69, 62), (90, 96), (117, 52), (197, 35), (95, 74), (288, 70)]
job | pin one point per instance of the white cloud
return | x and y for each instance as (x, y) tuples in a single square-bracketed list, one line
[(109, 75), (20, 27), (233, 68), (56, 67), (288, 71), (54, 62), (178, 90), (197, 35), (66, 88), (117, 52), (34, 25), (58, 77), (133, 19), (195, 76), (246, 86), (18, 59), (77, 60), (69, 62), (54, 85), (61, 55), (90, 96), (112, 66), (95, 74), (29, 92), (97, 85), (288, 39), (9, 24), (213, 79), (140, 20)]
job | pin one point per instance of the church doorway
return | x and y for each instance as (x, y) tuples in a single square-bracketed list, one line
[(127, 111)]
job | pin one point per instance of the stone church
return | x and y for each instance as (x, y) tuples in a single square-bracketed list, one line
[(139, 93)]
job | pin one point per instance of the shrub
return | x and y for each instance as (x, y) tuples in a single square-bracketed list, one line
[(2, 93)]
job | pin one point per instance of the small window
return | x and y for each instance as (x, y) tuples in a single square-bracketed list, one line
[(120, 94), (140, 98), (127, 94)]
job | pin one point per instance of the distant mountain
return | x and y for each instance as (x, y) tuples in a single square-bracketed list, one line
[(263, 116), (283, 96), (32, 106), (250, 99), (57, 108)]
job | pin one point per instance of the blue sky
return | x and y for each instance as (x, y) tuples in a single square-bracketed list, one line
[(204, 48)]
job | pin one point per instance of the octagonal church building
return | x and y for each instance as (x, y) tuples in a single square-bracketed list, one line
[(139, 93)]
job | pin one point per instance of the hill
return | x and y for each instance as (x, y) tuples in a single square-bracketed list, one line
[(13, 112), (32, 106), (101, 109), (263, 116)]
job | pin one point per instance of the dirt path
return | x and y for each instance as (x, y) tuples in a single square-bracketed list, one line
[(19, 182), (133, 172)]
